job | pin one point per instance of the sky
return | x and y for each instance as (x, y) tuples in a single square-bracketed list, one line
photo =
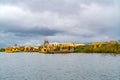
[(30, 22)]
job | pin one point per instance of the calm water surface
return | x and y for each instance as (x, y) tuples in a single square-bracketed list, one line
[(28, 66)]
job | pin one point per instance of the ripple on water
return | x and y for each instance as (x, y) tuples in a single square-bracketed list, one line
[(59, 67)]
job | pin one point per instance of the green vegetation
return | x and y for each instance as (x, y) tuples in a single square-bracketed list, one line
[(100, 48), (2, 50), (84, 49)]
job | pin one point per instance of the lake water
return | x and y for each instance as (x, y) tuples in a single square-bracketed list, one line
[(33, 66)]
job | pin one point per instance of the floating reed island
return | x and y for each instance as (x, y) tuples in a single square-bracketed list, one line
[(45, 48), (96, 47)]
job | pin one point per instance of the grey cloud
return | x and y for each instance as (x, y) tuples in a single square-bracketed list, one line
[(56, 19), (80, 34), (33, 32), (60, 6)]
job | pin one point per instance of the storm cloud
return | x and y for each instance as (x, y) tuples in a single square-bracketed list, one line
[(30, 22), (33, 32)]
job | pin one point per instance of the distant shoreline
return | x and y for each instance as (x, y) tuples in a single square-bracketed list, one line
[(63, 48)]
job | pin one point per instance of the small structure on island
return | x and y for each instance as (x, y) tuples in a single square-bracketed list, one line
[(111, 42), (36, 48), (46, 43), (28, 49), (12, 49), (57, 47)]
